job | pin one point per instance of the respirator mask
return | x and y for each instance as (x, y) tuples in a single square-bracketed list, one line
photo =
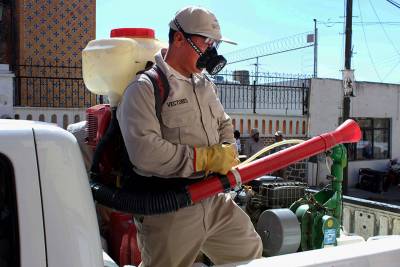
[(209, 59)]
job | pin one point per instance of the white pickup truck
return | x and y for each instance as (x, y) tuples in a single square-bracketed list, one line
[(47, 214), (48, 217)]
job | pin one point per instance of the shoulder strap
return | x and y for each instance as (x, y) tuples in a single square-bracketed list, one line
[(161, 88)]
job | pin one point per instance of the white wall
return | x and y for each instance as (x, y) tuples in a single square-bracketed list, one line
[(6, 91), (250, 121), (325, 106), (60, 116), (373, 100)]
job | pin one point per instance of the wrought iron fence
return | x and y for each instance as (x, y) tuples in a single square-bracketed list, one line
[(242, 90), (46, 85)]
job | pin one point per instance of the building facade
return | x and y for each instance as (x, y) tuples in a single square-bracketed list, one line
[(41, 41), (376, 108), (54, 31), (6, 34)]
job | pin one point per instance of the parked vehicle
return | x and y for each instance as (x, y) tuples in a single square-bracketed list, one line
[(48, 217)]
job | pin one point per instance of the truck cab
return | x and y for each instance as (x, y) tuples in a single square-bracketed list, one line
[(47, 214)]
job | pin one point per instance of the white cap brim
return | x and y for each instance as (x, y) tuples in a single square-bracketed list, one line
[(223, 39)]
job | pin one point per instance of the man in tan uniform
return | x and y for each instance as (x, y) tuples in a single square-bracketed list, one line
[(189, 143)]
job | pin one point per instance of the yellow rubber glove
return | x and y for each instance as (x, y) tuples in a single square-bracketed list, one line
[(219, 158)]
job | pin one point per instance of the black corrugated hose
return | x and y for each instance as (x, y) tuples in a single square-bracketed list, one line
[(143, 203), (157, 196)]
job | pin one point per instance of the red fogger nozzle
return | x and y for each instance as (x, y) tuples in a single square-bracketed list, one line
[(348, 132)]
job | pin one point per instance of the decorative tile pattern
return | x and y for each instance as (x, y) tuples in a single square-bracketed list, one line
[(54, 32), (58, 29)]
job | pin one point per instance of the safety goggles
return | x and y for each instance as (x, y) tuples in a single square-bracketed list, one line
[(209, 41)]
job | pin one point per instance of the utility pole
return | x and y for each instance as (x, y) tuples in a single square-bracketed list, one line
[(255, 87), (256, 70), (315, 49), (349, 21), (255, 82), (347, 66)]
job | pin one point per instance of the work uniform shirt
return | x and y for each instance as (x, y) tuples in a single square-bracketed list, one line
[(192, 115)]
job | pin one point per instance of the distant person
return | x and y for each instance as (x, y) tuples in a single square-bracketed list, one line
[(254, 144), (236, 134), (278, 137)]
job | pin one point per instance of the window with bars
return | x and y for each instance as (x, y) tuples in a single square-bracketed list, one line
[(375, 141)]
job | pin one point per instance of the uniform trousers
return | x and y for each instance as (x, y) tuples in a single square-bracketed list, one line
[(216, 226)]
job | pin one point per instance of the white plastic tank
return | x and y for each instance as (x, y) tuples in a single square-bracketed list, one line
[(108, 65)]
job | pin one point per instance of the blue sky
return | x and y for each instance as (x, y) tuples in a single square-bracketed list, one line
[(252, 22)]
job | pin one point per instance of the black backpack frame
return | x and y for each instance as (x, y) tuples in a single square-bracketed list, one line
[(112, 138), (136, 194)]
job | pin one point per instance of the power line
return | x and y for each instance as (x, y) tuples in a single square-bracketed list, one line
[(390, 72), (393, 3), (387, 36), (366, 44), (388, 60), (359, 23), (383, 28), (371, 23)]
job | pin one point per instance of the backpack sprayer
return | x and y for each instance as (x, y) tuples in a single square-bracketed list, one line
[(128, 55), (316, 217)]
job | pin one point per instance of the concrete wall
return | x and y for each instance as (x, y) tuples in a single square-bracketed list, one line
[(60, 116), (267, 124), (373, 100), (6, 91), (325, 106)]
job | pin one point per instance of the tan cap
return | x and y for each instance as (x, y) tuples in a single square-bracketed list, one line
[(254, 131), (198, 20)]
